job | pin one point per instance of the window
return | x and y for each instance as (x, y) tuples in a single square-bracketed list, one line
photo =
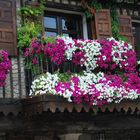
[(63, 24)]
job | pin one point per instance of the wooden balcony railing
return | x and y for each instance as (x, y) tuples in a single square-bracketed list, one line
[(46, 65)]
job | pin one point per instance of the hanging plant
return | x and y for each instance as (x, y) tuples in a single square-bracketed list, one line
[(28, 31), (31, 24)]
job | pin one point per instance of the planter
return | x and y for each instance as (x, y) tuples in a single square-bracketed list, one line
[(53, 103)]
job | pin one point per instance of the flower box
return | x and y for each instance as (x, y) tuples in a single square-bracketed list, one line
[(48, 102)]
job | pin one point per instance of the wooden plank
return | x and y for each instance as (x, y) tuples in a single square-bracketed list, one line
[(125, 28)]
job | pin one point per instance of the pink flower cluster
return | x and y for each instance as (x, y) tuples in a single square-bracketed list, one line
[(133, 81), (116, 54), (104, 91), (79, 58), (106, 54), (94, 89), (5, 65), (105, 59), (54, 50)]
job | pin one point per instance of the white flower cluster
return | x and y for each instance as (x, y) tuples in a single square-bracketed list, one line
[(92, 49), (86, 80), (89, 84), (70, 47), (114, 93), (111, 93), (120, 48), (138, 62), (44, 84)]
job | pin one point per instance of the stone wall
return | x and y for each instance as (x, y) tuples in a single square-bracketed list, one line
[(15, 82)]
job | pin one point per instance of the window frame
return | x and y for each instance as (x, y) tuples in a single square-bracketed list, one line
[(59, 16)]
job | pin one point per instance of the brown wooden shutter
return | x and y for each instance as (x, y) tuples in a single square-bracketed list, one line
[(125, 28), (8, 26), (103, 24)]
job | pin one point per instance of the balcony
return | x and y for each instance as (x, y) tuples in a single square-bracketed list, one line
[(38, 61)]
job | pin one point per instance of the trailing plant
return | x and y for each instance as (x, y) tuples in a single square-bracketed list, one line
[(25, 33), (31, 24)]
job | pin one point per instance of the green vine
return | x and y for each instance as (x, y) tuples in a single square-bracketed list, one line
[(31, 24), (94, 4)]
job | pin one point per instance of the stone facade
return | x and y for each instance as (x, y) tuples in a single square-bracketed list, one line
[(15, 82)]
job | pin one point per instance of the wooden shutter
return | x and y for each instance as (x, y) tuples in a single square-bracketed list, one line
[(103, 24), (125, 28), (8, 26)]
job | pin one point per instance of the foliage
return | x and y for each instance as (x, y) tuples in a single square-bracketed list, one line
[(29, 12), (31, 26), (94, 4), (28, 31), (64, 77), (50, 39), (32, 12)]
